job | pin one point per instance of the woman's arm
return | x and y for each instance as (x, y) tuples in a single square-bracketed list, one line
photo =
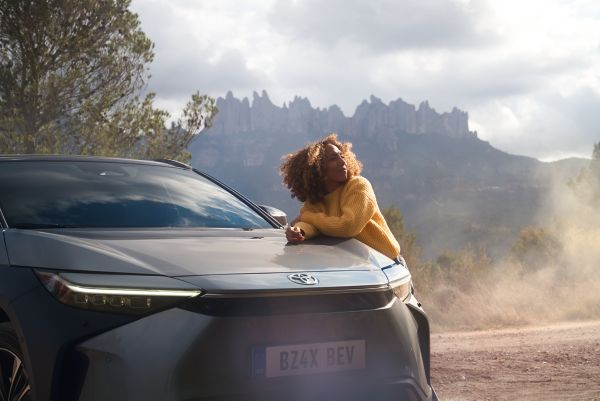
[(358, 207), (299, 230), (309, 230)]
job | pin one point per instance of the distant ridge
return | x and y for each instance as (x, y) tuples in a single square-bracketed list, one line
[(454, 189), (373, 118)]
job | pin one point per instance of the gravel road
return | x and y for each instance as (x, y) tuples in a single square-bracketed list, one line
[(553, 362)]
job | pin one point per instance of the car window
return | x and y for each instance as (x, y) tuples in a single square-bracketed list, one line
[(36, 194)]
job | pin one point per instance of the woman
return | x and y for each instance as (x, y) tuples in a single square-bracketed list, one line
[(338, 201)]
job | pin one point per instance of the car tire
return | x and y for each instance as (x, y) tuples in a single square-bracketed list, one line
[(14, 378)]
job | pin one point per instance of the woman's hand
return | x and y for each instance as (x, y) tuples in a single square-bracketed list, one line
[(294, 235)]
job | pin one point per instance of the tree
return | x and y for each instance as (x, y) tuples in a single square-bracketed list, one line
[(409, 248), (464, 268), (595, 164), (587, 184), (536, 248), (71, 72)]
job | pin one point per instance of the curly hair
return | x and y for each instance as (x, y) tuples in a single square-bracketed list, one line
[(304, 170)]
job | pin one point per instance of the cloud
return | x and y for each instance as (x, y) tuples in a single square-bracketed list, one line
[(463, 78), (384, 25), (548, 126), (176, 77), (192, 51), (525, 71)]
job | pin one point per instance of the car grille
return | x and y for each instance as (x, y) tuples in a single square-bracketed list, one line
[(293, 304)]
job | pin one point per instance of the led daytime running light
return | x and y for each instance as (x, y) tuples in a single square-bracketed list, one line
[(121, 291), (113, 299), (129, 291)]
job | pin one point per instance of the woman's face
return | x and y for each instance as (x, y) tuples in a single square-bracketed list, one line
[(336, 171)]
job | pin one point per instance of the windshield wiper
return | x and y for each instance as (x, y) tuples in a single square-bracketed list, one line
[(37, 226)]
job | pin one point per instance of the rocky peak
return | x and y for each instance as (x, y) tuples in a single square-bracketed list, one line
[(372, 118)]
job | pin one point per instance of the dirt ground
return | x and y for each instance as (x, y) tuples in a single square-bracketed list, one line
[(554, 362)]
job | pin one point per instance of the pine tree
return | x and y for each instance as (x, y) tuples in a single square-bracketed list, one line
[(71, 74)]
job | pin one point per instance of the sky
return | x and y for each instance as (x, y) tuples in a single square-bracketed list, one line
[(526, 71)]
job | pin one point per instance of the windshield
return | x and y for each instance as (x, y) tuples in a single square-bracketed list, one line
[(46, 194)]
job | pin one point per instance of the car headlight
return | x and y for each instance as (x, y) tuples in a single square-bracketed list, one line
[(138, 295), (403, 288)]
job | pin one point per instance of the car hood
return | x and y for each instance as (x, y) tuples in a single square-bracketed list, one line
[(185, 252)]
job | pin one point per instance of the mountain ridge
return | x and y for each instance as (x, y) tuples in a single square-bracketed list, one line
[(370, 118)]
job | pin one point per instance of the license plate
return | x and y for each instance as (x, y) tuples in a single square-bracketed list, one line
[(303, 359)]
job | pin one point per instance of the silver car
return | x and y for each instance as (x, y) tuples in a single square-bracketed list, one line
[(140, 280)]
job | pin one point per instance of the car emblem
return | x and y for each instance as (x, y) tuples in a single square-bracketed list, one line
[(303, 278)]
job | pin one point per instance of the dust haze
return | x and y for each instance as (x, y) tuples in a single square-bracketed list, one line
[(561, 283)]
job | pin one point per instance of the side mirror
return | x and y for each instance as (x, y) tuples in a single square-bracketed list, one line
[(275, 213)]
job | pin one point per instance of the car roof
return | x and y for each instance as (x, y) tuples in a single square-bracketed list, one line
[(79, 158)]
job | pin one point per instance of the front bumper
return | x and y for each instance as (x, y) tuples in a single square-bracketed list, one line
[(179, 354)]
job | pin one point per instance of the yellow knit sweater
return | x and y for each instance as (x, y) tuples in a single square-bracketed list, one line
[(350, 211)]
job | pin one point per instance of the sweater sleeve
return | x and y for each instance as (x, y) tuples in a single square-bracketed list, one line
[(308, 229), (358, 206)]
